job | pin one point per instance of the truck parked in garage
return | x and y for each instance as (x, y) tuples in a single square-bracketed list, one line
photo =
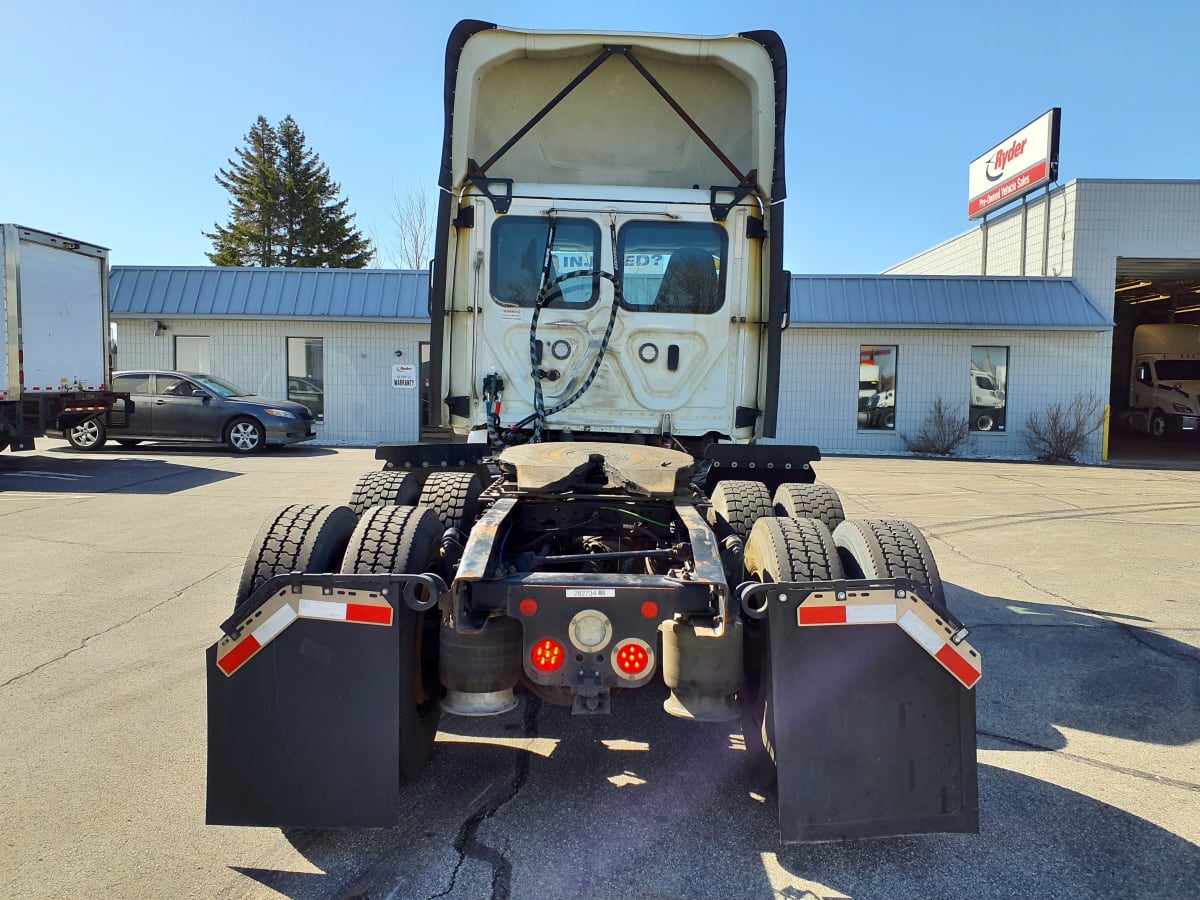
[(607, 303), (1164, 382), (56, 370)]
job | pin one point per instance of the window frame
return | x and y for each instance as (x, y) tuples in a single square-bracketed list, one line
[(317, 380), (558, 301), (998, 415), (206, 338), (723, 257), (871, 410)]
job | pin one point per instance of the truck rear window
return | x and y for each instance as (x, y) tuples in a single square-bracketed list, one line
[(673, 267), (518, 254)]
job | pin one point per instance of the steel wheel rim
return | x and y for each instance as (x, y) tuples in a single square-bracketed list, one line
[(86, 434), (244, 436)]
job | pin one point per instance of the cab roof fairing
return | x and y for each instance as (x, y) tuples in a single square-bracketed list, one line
[(734, 87)]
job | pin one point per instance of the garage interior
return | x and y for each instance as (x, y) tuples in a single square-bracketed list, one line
[(1148, 291)]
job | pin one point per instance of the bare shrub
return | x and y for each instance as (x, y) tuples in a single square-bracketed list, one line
[(1061, 433), (943, 430)]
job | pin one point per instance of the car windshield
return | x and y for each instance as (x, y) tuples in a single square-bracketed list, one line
[(219, 387)]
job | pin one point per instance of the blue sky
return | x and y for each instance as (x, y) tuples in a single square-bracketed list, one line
[(118, 114)]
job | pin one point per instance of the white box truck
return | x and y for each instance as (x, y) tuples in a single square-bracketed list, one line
[(1164, 384), (56, 369)]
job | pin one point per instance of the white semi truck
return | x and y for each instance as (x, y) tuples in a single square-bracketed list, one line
[(56, 369), (607, 302), (1164, 381)]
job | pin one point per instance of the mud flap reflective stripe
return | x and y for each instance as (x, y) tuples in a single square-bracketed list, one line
[(303, 723), (874, 735), (904, 608), (285, 607)]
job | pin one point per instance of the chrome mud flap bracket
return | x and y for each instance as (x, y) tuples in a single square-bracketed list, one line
[(874, 710), (303, 700)]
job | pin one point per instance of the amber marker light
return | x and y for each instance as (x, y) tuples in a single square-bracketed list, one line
[(547, 655)]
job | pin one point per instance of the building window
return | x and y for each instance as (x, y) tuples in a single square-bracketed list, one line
[(989, 388), (877, 387), (192, 353), (306, 373)]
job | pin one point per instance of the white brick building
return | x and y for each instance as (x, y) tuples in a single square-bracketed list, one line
[(352, 327), (1132, 245), (239, 324), (1045, 338)]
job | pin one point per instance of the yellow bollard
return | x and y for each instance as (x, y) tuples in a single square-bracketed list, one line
[(1104, 445)]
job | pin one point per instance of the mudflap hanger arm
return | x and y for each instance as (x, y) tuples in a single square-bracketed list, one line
[(747, 183), (418, 592)]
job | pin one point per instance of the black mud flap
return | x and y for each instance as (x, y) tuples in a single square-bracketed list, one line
[(874, 737), (304, 731)]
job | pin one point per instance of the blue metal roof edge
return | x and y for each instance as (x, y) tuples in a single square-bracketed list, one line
[(883, 315)]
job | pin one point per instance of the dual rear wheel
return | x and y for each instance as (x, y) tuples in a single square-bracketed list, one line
[(402, 539), (780, 550)]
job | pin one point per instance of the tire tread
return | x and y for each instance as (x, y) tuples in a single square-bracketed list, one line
[(388, 488), (810, 501), (737, 505), (294, 538)]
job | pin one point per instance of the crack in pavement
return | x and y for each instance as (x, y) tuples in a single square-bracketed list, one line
[(1127, 629), (1007, 520), (91, 637), (1124, 770), (466, 844)]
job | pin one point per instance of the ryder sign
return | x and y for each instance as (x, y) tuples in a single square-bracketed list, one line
[(1015, 166)]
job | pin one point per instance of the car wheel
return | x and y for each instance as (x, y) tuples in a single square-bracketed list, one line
[(245, 435), (984, 422), (889, 419), (89, 435)]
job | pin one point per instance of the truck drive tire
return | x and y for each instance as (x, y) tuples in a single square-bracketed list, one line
[(385, 489), (406, 539), (89, 435), (298, 538), (454, 496), (810, 501), (737, 505), (778, 550), (889, 548)]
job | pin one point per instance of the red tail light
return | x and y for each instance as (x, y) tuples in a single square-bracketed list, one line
[(547, 655), (632, 658)]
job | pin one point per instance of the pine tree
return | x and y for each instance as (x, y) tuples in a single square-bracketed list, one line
[(284, 206)]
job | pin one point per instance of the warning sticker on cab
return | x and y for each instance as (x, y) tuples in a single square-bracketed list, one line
[(591, 592)]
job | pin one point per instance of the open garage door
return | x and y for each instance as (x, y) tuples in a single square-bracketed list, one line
[(1149, 416)]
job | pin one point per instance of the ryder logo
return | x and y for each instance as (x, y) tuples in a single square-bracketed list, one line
[(995, 167)]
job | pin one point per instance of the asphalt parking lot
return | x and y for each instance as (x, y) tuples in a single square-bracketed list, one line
[(1080, 586)]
